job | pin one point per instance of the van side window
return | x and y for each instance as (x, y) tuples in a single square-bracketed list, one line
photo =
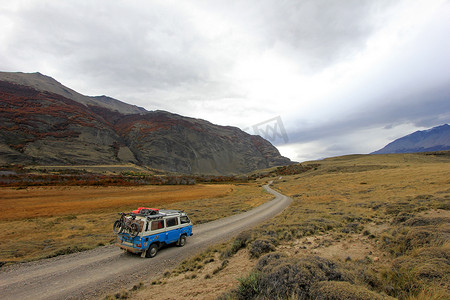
[(157, 225), (172, 222), (184, 220)]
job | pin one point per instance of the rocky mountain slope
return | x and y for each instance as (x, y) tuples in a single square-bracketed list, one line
[(45, 83), (44, 122), (434, 139)]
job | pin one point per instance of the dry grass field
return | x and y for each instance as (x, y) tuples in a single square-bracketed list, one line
[(39, 222), (360, 227)]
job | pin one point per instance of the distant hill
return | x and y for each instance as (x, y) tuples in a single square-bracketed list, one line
[(434, 139), (45, 123)]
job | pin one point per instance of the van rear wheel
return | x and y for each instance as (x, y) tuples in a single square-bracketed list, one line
[(152, 251)]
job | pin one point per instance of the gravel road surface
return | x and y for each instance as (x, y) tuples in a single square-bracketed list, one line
[(106, 270)]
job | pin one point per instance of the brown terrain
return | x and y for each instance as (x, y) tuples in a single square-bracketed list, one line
[(38, 222), (90, 274), (377, 225)]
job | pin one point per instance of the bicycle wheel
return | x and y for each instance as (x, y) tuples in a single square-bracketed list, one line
[(134, 230), (117, 227)]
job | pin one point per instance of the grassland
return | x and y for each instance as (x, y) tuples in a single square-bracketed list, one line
[(360, 227), (39, 222)]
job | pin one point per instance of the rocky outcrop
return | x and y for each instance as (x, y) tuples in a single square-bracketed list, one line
[(44, 127)]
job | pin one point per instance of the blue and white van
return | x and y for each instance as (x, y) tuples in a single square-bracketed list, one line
[(156, 229)]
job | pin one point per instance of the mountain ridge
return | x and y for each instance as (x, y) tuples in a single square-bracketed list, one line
[(47, 128), (46, 83), (433, 139)]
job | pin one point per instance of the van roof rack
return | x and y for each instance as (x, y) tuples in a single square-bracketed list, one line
[(163, 213)]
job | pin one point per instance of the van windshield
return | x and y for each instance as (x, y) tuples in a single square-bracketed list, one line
[(184, 220)]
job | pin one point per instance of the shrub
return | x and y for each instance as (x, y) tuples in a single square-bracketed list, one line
[(406, 239), (68, 250), (351, 228), (402, 217), (426, 264), (279, 277), (122, 295), (248, 287), (421, 221), (411, 275), (259, 247), (268, 259), (399, 207), (421, 237), (287, 277), (333, 290), (243, 238), (238, 243)]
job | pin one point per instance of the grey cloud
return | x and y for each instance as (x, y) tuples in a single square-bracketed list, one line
[(155, 45), (316, 33), (152, 46), (323, 31), (411, 87), (427, 109)]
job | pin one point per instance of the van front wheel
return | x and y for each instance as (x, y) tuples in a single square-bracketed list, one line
[(182, 241), (152, 250)]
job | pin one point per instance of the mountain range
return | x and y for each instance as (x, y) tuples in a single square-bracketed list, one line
[(46, 123), (434, 139)]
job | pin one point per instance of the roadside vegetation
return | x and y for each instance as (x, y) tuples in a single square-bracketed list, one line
[(23, 177), (360, 227)]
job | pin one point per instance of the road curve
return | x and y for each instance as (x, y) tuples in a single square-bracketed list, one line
[(105, 270)]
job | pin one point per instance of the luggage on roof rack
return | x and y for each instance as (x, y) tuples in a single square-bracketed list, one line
[(145, 211), (157, 216)]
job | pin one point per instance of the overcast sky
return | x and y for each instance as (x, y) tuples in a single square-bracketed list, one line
[(344, 76)]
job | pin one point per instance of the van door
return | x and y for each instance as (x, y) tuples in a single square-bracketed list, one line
[(173, 230)]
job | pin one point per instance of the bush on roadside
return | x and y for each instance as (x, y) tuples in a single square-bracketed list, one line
[(240, 242), (259, 247), (287, 276), (416, 233), (248, 287), (269, 259), (411, 274), (280, 277)]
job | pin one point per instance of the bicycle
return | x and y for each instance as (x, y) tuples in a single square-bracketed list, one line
[(124, 224)]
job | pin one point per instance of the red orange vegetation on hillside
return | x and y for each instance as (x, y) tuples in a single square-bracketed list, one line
[(36, 115)]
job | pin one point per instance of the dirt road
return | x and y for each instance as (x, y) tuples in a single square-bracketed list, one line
[(105, 270)]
